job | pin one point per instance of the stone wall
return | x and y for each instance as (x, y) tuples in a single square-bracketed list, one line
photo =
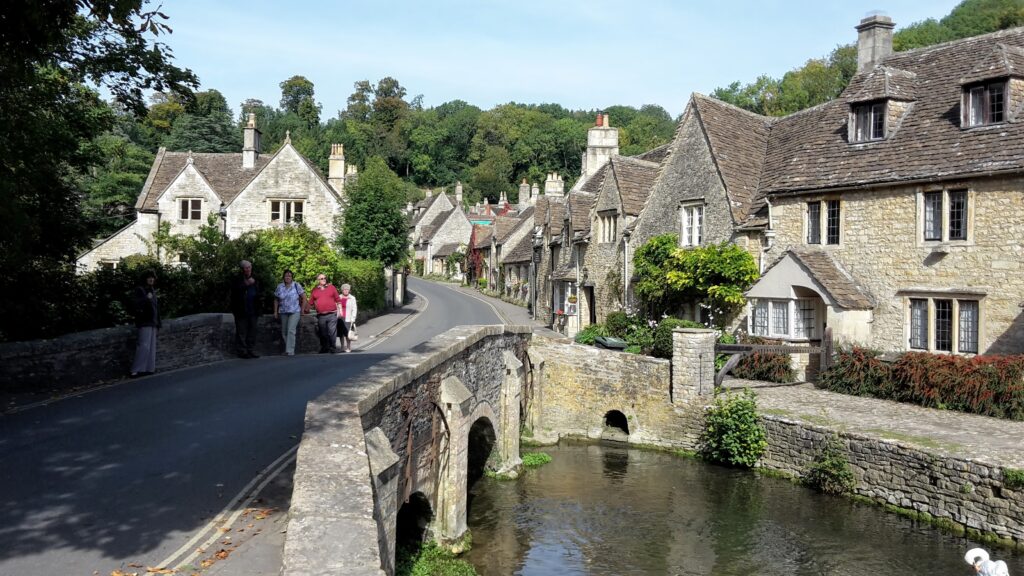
[(85, 358), (129, 240), (881, 246), (401, 429), (967, 492)]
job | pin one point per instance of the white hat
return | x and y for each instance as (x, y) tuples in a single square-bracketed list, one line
[(975, 553)]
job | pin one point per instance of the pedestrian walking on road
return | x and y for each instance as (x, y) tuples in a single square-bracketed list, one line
[(147, 320), (326, 302), (289, 300), (347, 317), (245, 306)]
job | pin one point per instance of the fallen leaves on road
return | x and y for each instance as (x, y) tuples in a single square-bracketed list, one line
[(259, 513), (120, 573), (151, 570)]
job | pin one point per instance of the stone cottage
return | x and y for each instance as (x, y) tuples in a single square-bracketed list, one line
[(243, 192), (440, 228)]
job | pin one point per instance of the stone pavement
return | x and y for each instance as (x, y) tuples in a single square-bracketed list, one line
[(986, 440)]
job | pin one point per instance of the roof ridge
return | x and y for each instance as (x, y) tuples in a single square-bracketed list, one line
[(635, 160), (764, 117), (948, 43)]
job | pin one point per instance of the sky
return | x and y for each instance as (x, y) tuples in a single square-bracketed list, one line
[(582, 54)]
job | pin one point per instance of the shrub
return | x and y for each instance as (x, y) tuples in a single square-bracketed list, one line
[(858, 371), (589, 333), (1013, 478), (662, 345), (481, 283), (618, 324), (721, 359), (830, 472), (733, 433), (766, 366), (429, 559), (640, 334)]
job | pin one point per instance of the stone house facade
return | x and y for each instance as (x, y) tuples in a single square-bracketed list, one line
[(243, 192), (440, 228), (895, 206)]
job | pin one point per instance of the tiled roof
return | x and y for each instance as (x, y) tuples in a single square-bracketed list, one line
[(522, 252), (580, 204), (809, 150), (564, 273), (427, 232), (423, 205), (884, 82), (656, 155), (483, 235), (540, 214), (223, 171), (837, 282), (445, 250), (557, 218), (1001, 61), (635, 179), (738, 140), (593, 184), (503, 226)]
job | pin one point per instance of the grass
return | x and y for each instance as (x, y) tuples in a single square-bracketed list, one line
[(431, 560), (1013, 478), (535, 459)]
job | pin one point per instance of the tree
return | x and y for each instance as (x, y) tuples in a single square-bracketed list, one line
[(48, 122), (293, 91), (374, 226)]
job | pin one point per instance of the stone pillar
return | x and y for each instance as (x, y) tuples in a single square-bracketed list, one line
[(384, 474), (511, 395), (450, 516), (693, 362)]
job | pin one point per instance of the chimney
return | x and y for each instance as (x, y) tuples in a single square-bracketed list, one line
[(534, 194), (554, 185), (874, 41), (524, 191), (602, 144), (458, 193), (336, 167), (502, 199), (429, 192), (250, 142), (409, 207)]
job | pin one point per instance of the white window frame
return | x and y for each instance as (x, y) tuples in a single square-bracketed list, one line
[(825, 207), (764, 312), (978, 100), (190, 209), (946, 197), (286, 210), (958, 305), (868, 122), (691, 224), (607, 227)]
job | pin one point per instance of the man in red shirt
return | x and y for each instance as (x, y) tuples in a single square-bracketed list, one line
[(326, 301)]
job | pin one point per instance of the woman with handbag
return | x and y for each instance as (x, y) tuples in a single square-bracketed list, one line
[(347, 318)]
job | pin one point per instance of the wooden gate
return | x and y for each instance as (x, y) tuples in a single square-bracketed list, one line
[(738, 351)]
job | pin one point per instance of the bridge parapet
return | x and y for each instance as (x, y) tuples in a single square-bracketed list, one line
[(403, 429)]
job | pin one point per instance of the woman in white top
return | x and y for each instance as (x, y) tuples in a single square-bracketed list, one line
[(346, 316), (289, 299)]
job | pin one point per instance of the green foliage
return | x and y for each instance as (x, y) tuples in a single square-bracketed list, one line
[(662, 345), (1013, 478), (718, 274), (430, 559), (640, 335), (481, 283), (618, 324), (987, 385), (375, 227), (590, 332), (112, 186), (720, 359), (535, 459), (733, 433), (650, 266), (830, 472), (766, 366)]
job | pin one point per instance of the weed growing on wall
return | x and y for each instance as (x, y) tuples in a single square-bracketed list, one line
[(830, 472), (590, 333), (1013, 478), (733, 433)]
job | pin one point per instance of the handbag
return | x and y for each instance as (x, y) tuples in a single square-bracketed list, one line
[(352, 334)]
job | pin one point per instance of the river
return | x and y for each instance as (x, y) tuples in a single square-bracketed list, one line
[(606, 510)]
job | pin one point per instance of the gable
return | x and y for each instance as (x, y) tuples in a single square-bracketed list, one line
[(222, 171)]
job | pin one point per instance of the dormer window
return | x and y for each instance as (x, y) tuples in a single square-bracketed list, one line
[(868, 122), (984, 104)]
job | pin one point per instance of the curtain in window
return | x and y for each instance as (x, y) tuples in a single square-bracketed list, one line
[(780, 318)]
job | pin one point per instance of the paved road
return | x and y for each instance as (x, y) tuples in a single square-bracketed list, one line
[(131, 476)]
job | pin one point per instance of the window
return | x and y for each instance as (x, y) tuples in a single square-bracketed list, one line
[(191, 209), (984, 104), (868, 122), (608, 227), (945, 215), (285, 211), (691, 222), (791, 319), (944, 325), (830, 224)]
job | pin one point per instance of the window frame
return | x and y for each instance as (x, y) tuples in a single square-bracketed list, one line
[(286, 210), (984, 93), (829, 231), (764, 313), (946, 330), (690, 227), (874, 114), (945, 216), (190, 209)]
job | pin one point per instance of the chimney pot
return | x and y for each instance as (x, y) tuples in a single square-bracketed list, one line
[(874, 40)]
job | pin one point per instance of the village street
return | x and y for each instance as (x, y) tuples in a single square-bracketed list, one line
[(147, 472)]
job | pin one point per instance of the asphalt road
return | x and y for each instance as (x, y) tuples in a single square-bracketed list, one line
[(130, 476)]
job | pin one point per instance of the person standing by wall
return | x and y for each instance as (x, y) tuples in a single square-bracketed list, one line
[(326, 302), (147, 320), (245, 292), (289, 300), (346, 317)]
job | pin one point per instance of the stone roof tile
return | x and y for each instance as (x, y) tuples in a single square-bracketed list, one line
[(223, 171), (839, 283)]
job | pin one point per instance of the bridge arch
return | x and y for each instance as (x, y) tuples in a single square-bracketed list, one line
[(412, 521), (616, 426), (481, 443)]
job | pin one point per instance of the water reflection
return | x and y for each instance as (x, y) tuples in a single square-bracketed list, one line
[(609, 510)]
